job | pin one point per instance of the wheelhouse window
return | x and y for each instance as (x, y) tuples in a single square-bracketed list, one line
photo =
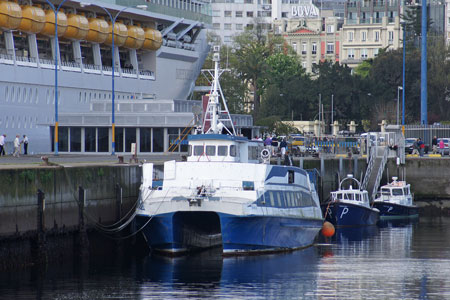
[(198, 150), (290, 176), (189, 150), (233, 150), (222, 150), (248, 185), (385, 192), (211, 150), (397, 192)]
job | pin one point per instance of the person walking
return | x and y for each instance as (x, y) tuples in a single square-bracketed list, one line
[(16, 146), (421, 146), (25, 144), (283, 146), (2, 144), (441, 147), (434, 144)]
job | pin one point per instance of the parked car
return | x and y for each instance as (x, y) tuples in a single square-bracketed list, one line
[(409, 145), (446, 145)]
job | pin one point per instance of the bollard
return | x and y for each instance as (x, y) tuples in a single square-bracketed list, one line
[(341, 165), (355, 165), (82, 244)]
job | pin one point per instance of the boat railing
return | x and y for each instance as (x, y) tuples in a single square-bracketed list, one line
[(6, 56), (107, 68), (129, 71), (91, 67), (26, 59), (147, 73)]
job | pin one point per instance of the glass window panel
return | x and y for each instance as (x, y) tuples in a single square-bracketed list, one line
[(198, 150), (89, 139), (130, 137), (222, 150), (233, 150), (158, 140), (63, 142), (103, 139), (75, 139), (211, 150), (119, 139), (145, 139)]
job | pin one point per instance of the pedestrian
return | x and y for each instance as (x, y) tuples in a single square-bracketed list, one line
[(2, 144), (16, 146), (415, 147), (441, 147), (283, 146), (25, 144), (434, 144), (287, 159), (421, 146)]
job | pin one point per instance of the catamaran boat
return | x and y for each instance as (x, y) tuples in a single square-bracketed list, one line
[(350, 206), (395, 201), (226, 194)]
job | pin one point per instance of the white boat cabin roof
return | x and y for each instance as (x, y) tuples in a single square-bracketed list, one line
[(223, 148)]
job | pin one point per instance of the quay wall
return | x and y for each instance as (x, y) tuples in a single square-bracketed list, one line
[(19, 201)]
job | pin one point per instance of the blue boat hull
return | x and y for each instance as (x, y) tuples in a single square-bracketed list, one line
[(235, 234), (396, 211), (346, 214)]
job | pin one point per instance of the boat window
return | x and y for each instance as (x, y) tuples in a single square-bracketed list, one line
[(290, 176), (272, 200), (397, 192), (189, 149), (357, 197), (211, 150), (279, 199), (406, 191), (198, 150), (299, 199), (339, 196), (248, 185), (385, 192), (349, 196), (233, 150), (222, 150)]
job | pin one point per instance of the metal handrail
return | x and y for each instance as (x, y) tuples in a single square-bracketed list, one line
[(369, 167), (380, 172)]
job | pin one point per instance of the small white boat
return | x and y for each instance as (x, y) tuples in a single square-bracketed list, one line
[(350, 205), (395, 201)]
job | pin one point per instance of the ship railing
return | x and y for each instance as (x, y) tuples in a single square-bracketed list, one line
[(90, 68), (146, 74), (128, 72), (6, 58), (70, 66), (107, 70), (26, 61), (47, 63)]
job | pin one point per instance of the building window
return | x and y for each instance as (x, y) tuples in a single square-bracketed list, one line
[(249, 14), (350, 36), (377, 36), (391, 36), (227, 39), (350, 53), (249, 26), (363, 36), (239, 27), (375, 52), (264, 13), (304, 48), (314, 48), (330, 48), (216, 13), (89, 139), (294, 46), (216, 25), (227, 14), (304, 64), (227, 26), (239, 14), (248, 1), (330, 28), (103, 139), (284, 14), (363, 53)]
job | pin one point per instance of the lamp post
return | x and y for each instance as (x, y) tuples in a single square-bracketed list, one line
[(56, 10), (398, 102), (403, 77)]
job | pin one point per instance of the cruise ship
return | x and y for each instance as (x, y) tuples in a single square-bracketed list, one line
[(159, 50)]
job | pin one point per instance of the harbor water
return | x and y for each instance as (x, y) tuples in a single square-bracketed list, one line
[(403, 260)]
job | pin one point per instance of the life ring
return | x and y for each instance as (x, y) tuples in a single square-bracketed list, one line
[(265, 154)]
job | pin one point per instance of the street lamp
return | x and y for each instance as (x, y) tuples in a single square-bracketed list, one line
[(403, 77), (113, 22), (56, 10), (398, 102)]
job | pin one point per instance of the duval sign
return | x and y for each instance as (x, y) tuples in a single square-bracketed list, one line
[(305, 11)]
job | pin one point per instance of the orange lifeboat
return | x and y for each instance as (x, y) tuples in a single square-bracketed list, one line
[(49, 28), (77, 27), (153, 39), (98, 30), (33, 19), (120, 34), (136, 37), (10, 15)]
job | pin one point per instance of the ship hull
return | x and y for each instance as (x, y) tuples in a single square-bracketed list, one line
[(396, 211), (347, 214), (177, 233)]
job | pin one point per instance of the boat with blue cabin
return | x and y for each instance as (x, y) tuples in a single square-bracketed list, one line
[(350, 206), (226, 194), (395, 201)]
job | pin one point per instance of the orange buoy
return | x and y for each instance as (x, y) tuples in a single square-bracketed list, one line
[(328, 229)]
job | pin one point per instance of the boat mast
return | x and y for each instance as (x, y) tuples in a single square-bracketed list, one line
[(217, 118)]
